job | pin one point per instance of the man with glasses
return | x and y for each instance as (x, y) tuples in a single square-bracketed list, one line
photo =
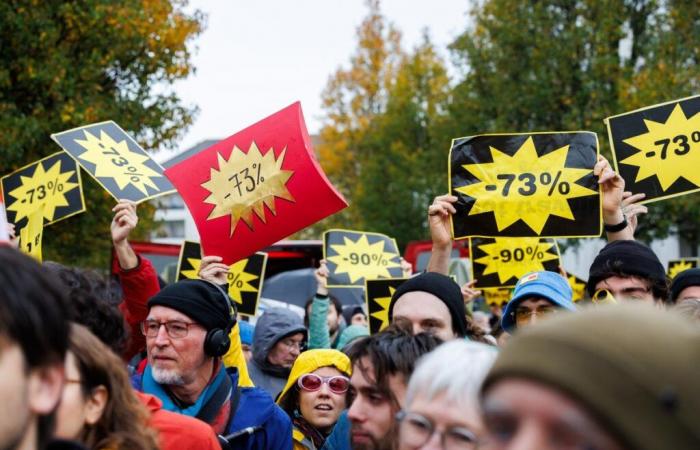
[(187, 331), (628, 271), (536, 295), (279, 338)]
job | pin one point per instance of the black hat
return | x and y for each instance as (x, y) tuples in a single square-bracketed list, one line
[(687, 278), (625, 257), (199, 300), (443, 288)]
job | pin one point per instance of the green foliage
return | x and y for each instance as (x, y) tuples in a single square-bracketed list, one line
[(66, 64)]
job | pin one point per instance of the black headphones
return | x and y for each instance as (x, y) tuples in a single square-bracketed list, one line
[(217, 340)]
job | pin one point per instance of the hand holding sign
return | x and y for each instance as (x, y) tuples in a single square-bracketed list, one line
[(525, 185)]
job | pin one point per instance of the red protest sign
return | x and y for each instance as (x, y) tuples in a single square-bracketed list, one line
[(256, 187)]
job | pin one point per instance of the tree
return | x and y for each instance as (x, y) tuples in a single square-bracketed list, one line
[(66, 64), (378, 143), (566, 65)]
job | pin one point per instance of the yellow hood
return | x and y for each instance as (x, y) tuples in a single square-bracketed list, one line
[(312, 360)]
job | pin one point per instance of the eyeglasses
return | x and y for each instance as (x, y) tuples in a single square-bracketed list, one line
[(603, 296), (175, 328), (311, 382), (291, 344), (416, 430), (525, 313)]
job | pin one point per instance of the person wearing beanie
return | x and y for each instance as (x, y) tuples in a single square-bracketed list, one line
[(355, 315), (536, 295), (279, 338), (686, 286), (432, 303), (630, 383), (629, 270), (247, 331), (187, 333)]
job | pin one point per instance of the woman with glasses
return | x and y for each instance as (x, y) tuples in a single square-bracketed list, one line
[(441, 406), (98, 407), (315, 395)]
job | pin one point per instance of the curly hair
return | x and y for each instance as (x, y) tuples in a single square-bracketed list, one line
[(123, 422)]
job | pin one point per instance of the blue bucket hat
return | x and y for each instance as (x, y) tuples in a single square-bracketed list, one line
[(548, 285)]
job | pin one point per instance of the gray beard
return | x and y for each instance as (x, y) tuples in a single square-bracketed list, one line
[(167, 377)]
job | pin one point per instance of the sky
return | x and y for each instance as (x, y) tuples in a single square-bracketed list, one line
[(257, 56)]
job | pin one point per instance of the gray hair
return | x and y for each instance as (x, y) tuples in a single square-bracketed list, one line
[(455, 370)]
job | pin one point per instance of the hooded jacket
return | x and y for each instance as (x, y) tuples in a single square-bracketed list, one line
[(308, 362), (273, 326)]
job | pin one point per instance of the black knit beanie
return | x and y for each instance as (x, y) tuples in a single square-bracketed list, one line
[(630, 258), (199, 300), (443, 288), (687, 278)]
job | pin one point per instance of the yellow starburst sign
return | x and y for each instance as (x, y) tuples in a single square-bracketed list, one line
[(30, 236), (657, 148), (578, 287), (378, 295), (676, 266), (245, 277), (51, 185), (525, 185), (246, 184), (497, 296), (356, 256), (116, 161), (500, 262)]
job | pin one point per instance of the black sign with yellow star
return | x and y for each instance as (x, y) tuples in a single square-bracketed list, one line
[(657, 148), (356, 256), (245, 277), (378, 295), (578, 287), (497, 296), (116, 161), (500, 262), (525, 185), (676, 266), (51, 184)]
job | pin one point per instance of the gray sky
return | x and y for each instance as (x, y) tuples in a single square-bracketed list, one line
[(258, 56)]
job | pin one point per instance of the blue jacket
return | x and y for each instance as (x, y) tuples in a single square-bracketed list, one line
[(255, 409), (339, 439)]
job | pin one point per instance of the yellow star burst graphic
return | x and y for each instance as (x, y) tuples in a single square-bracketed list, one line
[(669, 150), (525, 186), (360, 259), (578, 289), (383, 314), (245, 184), (44, 189), (114, 160), (678, 268), (238, 281), (193, 273), (496, 296), (509, 257)]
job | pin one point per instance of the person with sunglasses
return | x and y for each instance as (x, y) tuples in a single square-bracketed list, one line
[(441, 406), (536, 296), (315, 395)]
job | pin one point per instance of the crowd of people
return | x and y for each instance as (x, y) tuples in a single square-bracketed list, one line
[(86, 366)]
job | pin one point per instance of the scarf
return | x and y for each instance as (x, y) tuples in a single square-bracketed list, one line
[(309, 431)]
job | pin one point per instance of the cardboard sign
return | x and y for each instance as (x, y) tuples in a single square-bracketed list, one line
[(497, 296), (115, 161), (245, 277), (578, 287), (30, 236), (378, 295), (525, 185), (256, 187), (657, 148), (500, 262), (51, 184), (356, 256), (676, 266)]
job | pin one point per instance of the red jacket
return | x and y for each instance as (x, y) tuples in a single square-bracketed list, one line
[(176, 431), (138, 285)]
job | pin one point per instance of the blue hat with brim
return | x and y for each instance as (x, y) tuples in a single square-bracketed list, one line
[(544, 284)]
